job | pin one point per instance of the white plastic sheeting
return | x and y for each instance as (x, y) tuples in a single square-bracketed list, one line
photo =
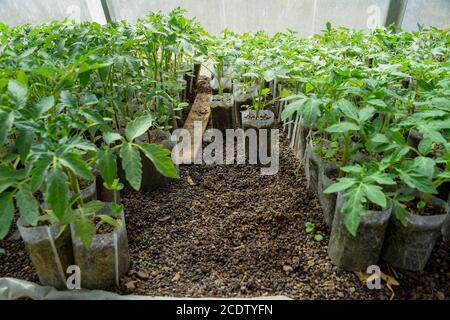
[(12, 289)]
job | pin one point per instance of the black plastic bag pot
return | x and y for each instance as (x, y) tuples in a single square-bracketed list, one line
[(89, 192), (222, 112), (50, 255), (446, 228), (409, 247), (242, 98), (265, 121), (327, 201), (357, 253), (312, 164), (106, 260)]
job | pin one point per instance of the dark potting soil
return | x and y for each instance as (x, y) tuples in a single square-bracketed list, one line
[(227, 231), (104, 228), (428, 210)]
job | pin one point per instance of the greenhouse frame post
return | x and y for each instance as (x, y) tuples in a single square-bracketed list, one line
[(106, 10), (396, 12)]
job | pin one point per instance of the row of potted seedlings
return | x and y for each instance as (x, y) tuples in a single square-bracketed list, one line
[(85, 109), (368, 115), (374, 140)]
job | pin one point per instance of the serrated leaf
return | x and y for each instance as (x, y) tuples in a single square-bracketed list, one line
[(6, 213), (116, 223), (24, 142), (39, 172), (342, 127), (138, 127), (107, 165), (353, 209), (161, 158), (110, 137), (376, 195), (27, 204), (131, 163), (57, 192), (75, 162), (340, 185), (43, 105), (6, 122), (67, 99), (347, 109), (18, 94), (85, 231)]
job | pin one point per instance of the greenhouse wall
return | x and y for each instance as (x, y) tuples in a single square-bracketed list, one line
[(428, 12), (16, 12), (304, 16)]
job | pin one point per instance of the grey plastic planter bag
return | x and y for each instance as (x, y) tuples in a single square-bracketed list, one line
[(242, 98), (327, 201), (50, 255), (249, 121), (222, 112), (357, 253), (410, 247), (312, 167), (227, 85), (106, 260)]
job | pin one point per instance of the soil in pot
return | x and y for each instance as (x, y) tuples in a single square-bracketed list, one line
[(357, 253), (222, 112), (107, 259), (242, 97), (265, 121), (409, 247), (50, 255)]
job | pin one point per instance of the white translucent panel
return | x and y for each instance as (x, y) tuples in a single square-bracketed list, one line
[(305, 16), (428, 12), (15, 12)]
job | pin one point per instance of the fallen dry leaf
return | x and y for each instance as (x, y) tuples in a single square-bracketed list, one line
[(176, 277), (190, 181)]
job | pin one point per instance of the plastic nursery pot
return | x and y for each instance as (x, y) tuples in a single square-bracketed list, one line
[(227, 85), (50, 255), (89, 191), (409, 247), (312, 165), (192, 78), (357, 253), (327, 176), (222, 111), (242, 97), (106, 260), (266, 121), (413, 139), (446, 228)]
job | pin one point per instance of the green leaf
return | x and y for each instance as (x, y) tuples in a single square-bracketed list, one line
[(138, 127), (85, 231), (318, 237), (292, 108), (57, 193), (377, 103), (75, 162), (111, 137), (6, 122), (28, 206), (425, 165), (39, 172), (353, 209), (365, 114), (107, 165), (43, 105), (161, 158), (24, 141), (347, 108), (401, 214), (116, 223), (342, 127), (340, 185), (417, 180), (93, 206), (6, 213), (376, 195), (131, 163), (93, 116), (67, 99), (18, 94)]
